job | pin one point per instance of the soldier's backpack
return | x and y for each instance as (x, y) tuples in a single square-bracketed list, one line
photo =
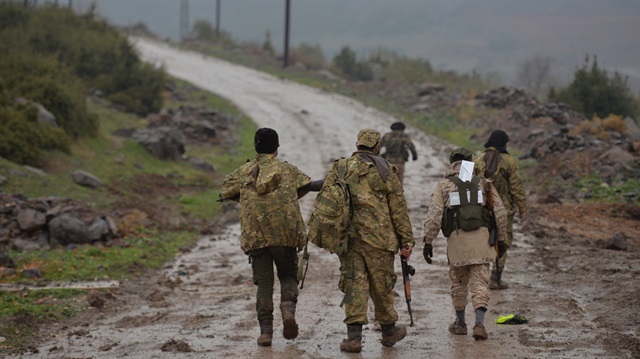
[(332, 214), (470, 214)]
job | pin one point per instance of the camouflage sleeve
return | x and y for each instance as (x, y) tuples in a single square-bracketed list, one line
[(517, 189), (231, 185), (411, 147), (399, 211), (500, 214), (302, 179), (434, 215)]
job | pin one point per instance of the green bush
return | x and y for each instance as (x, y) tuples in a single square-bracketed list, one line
[(594, 93), (346, 62)]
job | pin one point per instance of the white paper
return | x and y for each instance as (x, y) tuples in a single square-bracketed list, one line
[(466, 171)]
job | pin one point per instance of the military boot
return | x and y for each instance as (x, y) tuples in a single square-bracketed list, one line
[(479, 333), (392, 334), (290, 327), (353, 343), (493, 282), (458, 328), (266, 333)]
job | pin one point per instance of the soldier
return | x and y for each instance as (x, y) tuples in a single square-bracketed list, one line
[(272, 227), (397, 145), (469, 253), (380, 227), (501, 168)]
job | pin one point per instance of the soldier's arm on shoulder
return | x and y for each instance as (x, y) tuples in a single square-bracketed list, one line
[(434, 215)]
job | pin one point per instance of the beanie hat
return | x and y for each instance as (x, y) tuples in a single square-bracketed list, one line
[(266, 140), (498, 139), (398, 126), (460, 154)]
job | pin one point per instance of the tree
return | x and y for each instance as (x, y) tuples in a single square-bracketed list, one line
[(203, 31), (346, 62), (535, 73), (594, 93)]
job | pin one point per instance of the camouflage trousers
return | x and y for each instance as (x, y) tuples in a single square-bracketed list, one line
[(473, 277), (507, 241), (286, 261), (372, 274)]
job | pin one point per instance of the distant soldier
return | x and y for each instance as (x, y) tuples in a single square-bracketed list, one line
[(469, 252), (272, 228), (380, 227), (501, 168), (397, 145)]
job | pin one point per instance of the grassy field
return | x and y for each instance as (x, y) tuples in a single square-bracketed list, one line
[(117, 161)]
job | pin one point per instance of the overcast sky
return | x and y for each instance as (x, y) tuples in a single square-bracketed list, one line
[(457, 35)]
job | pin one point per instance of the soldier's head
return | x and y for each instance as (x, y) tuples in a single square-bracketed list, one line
[(398, 126), (368, 139), (460, 154), (497, 139), (266, 140)]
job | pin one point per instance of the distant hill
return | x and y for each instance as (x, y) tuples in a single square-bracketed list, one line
[(489, 36)]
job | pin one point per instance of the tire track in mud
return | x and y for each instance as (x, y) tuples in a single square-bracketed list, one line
[(206, 296)]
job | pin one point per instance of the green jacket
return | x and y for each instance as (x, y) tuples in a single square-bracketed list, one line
[(380, 216), (269, 212), (397, 145), (502, 170)]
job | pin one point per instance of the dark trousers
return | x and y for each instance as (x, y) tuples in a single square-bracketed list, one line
[(286, 261)]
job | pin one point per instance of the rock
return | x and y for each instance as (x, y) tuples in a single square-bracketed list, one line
[(125, 132), (3, 180), (200, 163), (31, 273), (25, 245), (31, 220), (102, 228), (67, 229), (86, 179), (6, 262), (430, 89), (35, 170), (166, 143), (618, 242)]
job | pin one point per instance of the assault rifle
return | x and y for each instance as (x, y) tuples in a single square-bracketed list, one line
[(493, 242), (407, 272)]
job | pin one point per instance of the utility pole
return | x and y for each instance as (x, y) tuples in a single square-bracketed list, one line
[(217, 19), (184, 19), (287, 12)]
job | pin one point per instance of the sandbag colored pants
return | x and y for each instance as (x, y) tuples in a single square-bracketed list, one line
[(473, 277), (262, 261), (399, 164), (372, 274)]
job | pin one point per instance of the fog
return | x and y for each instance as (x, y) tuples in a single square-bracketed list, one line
[(486, 36)]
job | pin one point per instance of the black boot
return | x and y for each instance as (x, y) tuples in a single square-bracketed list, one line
[(353, 343), (392, 334), (289, 325), (266, 332)]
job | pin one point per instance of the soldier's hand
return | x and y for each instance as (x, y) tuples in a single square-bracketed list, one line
[(427, 252), (502, 249), (523, 217), (406, 251), (415, 158)]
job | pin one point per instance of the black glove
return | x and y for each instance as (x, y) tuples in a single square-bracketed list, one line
[(415, 158), (502, 249), (427, 252)]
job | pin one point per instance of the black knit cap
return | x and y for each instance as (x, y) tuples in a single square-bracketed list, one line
[(266, 140), (498, 139), (398, 126)]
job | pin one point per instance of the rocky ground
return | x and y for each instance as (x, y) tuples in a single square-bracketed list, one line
[(580, 296)]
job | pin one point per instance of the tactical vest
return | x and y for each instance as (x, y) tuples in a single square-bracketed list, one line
[(470, 214)]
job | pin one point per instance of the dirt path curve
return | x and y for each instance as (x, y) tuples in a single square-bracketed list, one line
[(206, 297)]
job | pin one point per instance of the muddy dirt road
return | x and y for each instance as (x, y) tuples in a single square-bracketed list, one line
[(202, 305)]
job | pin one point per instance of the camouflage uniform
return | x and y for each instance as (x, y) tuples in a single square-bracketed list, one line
[(502, 170), (469, 253), (380, 220), (271, 222), (397, 145)]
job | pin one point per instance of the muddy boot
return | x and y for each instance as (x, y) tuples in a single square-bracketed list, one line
[(266, 333), (289, 325), (458, 329), (392, 334), (493, 282), (479, 333), (353, 343)]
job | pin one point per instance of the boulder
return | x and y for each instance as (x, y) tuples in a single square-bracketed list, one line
[(163, 142), (86, 179), (30, 220), (67, 229)]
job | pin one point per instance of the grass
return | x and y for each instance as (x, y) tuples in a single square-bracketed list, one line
[(115, 160), (595, 190)]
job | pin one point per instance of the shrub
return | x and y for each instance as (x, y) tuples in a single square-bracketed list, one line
[(346, 62), (311, 56)]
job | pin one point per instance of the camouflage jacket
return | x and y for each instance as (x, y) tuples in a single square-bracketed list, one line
[(502, 170), (397, 145), (269, 211), (381, 217), (463, 248)]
